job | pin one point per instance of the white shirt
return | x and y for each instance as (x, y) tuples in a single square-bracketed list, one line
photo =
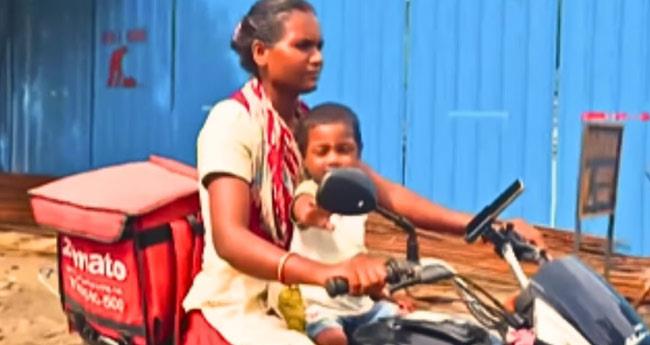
[(330, 246), (229, 142)]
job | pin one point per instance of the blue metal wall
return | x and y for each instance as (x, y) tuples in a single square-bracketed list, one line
[(181, 68), (131, 121), (5, 68), (364, 68), (178, 62), (605, 66), (369, 42), (49, 77), (455, 96), (480, 91), (205, 69)]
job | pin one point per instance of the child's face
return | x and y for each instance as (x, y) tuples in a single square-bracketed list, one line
[(330, 146)]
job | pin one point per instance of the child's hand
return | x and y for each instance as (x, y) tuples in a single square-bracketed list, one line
[(308, 214), (528, 232), (405, 303), (520, 337)]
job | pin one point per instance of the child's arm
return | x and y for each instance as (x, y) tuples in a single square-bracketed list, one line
[(306, 213), (422, 212), (405, 303)]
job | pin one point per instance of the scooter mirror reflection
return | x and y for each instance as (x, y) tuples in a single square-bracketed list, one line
[(347, 191)]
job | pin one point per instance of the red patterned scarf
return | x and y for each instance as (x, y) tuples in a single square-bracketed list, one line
[(276, 166)]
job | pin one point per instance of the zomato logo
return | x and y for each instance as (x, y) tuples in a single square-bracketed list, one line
[(94, 263)]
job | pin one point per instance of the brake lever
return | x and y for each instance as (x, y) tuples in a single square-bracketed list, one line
[(428, 274)]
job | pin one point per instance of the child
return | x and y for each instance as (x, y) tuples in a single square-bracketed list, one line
[(328, 138)]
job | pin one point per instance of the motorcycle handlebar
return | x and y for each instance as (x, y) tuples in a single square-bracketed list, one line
[(400, 274), (524, 251), (336, 286)]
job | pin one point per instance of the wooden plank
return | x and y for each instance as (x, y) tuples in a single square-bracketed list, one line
[(14, 202)]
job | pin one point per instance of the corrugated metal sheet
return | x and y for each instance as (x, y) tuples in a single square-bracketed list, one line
[(170, 62), (455, 97), (132, 110), (5, 96), (364, 69), (158, 66), (205, 68), (180, 63), (50, 70), (480, 90), (56, 69), (368, 43), (605, 66)]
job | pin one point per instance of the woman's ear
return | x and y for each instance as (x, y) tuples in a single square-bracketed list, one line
[(260, 53)]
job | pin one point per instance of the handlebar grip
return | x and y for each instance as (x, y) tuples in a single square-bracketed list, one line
[(395, 271), (337, 286)]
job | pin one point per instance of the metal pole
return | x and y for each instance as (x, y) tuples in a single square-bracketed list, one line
[(515, 266), (609, 245), (579, 196), (577, 237)]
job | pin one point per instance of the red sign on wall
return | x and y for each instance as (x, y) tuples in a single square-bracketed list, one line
[(116, 75)]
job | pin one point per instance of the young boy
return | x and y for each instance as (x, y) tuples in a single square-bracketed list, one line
[(328, 138)]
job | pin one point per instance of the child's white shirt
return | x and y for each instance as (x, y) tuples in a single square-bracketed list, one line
[(330, 246)]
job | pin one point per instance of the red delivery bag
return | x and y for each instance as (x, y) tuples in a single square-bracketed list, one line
[(129, 244)]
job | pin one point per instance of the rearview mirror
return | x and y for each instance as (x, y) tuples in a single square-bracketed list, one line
[(480, 223), (347, 191)]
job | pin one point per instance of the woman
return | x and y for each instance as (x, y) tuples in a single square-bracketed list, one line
[(249, 164)]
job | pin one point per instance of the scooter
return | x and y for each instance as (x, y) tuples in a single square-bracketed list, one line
[(565, 302)]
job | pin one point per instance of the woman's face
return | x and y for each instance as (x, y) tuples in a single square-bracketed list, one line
[(330, 146), (295, 61)]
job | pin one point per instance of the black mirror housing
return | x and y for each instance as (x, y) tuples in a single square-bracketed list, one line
[(347, 191)]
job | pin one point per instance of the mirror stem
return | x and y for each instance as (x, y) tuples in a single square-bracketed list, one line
[(412, 248)]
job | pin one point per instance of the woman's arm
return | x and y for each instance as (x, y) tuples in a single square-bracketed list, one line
[(422, 212), (235, 243), (425, 214)]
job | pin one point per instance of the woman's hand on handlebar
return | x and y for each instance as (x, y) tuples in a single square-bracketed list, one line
[(366, 275), (528, 232)]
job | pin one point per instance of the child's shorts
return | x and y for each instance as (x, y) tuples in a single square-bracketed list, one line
[(349, 323)]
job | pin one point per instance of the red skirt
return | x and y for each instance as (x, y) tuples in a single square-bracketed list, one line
[(200, 332)]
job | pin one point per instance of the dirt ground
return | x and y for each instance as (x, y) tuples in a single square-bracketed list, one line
[(30, 311)]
